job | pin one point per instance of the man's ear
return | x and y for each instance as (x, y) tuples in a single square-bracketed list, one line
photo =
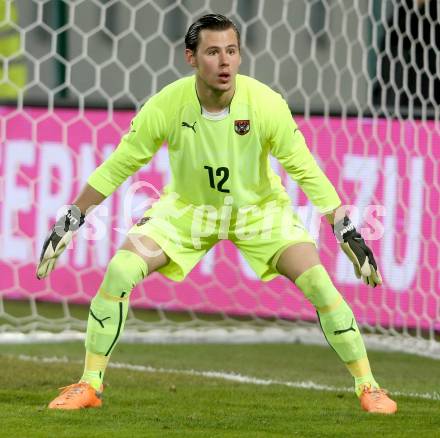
[(190, 58)]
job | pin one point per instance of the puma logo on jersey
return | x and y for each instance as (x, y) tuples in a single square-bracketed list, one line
[(187, 125), (351, 328)]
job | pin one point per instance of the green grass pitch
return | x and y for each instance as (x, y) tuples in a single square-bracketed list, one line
[(171, 393)]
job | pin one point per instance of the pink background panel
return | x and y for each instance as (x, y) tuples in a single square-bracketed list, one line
[(45, 159)]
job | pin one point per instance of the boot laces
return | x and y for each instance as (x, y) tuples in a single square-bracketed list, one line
[(72, 390), (376, 393)]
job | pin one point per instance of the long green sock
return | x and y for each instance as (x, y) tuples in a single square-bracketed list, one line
[(108, 312), (106, 322), (338, 324), (361, 372), (94, 369)]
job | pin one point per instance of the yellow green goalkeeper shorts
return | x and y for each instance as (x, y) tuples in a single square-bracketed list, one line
[(186, 233)]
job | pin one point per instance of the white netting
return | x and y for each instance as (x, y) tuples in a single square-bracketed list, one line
[(361, 79)]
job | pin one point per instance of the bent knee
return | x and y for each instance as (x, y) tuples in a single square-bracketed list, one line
[(318, 288), (125, 270)]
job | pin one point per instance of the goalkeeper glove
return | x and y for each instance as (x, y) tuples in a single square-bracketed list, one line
[(358, 252), (58, 239)]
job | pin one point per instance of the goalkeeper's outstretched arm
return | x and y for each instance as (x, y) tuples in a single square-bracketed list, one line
[(290, 148), (136, 148), (61, 233)]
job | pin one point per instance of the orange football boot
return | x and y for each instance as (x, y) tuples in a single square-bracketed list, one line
[(77, 396), (376, 400)]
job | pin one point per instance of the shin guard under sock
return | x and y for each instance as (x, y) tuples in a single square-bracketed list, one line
[(108, 311), (335, 316)]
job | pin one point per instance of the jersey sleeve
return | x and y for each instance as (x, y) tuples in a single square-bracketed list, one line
[(289, 147), (136, 148)]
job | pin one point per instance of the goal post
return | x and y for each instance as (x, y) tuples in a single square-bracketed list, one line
[(91, 64)]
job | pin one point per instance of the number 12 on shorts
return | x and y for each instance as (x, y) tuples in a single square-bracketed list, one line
[(223, 173)]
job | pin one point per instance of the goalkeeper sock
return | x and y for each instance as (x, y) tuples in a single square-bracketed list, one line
[(108, 309), (94, 369), (335, 316), (361, 382), (361, 372)]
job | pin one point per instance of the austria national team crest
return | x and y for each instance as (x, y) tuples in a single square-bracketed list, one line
[(242, 127)]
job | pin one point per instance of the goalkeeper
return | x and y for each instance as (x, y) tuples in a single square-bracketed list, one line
[(221, 128)]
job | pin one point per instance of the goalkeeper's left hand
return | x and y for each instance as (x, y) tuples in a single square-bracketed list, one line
[(358, 252)]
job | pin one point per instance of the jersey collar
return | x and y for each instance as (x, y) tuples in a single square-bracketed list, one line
[(199, 104)]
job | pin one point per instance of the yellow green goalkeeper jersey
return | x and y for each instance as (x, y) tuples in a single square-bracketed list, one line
[(211, 159)]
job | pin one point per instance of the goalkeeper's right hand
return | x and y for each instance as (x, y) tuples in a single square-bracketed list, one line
[(58, 239)]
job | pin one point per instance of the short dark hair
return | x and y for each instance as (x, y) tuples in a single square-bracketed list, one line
[(211, 22)]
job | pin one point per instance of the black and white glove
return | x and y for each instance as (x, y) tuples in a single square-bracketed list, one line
[(358, 252), (58, 239)]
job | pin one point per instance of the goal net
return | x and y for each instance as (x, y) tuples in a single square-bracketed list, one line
[(361, 86)]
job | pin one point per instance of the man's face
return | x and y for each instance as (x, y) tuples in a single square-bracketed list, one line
[(217, 58)]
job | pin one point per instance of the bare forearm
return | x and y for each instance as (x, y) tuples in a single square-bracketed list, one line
[(89, 197), (335, 215), (331, 217)]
